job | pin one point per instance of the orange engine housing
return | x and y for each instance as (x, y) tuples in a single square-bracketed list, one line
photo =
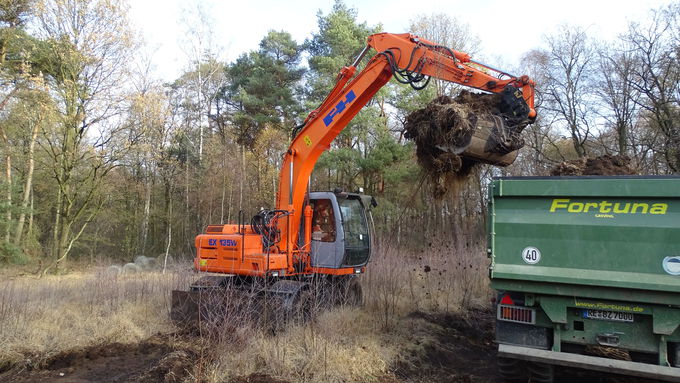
[(224, 250)]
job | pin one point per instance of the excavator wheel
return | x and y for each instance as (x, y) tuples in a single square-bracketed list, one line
[(287, 302), (304, 308), (353, 294)]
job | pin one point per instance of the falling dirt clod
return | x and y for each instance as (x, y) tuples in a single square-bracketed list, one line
[(605, 165)]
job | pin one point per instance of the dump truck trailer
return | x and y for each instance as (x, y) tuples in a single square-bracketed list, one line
[(587, 272)]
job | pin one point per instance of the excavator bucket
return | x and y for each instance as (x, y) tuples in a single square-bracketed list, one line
[(212, 306), (490, 142), (451, 133), (186, 306)]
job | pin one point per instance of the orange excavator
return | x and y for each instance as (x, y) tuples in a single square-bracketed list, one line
[(315, 242)]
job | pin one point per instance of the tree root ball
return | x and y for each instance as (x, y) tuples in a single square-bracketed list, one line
[(442, 130)]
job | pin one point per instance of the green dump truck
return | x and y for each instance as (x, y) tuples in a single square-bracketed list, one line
[(587, 271)]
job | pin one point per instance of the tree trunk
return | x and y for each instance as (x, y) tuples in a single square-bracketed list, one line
[(8, 175), (242, 177), (623, 138), (28, 187), (168, 195), (30, 217), (147, 213), (224, 184)]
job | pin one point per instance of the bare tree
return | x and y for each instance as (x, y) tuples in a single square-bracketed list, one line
[(540, 136), (447, 31), (94, 46), (656, 75), (567, 91), (615, 90)]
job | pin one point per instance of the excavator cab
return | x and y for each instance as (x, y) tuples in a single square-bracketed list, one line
[(341, 235)]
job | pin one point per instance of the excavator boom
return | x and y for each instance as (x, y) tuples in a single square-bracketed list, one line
[(404, 56)]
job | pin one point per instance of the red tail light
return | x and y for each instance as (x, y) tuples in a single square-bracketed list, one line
[(507, 300)]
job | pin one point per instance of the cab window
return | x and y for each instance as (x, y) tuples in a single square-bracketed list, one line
[(323, 221), (355, 227)]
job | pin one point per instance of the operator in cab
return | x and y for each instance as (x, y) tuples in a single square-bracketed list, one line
[(323, 221)]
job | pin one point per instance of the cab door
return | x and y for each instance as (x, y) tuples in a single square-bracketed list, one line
[(327, 231), (357, 240)]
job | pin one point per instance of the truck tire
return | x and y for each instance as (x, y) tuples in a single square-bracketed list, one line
[(541, 372), (511, 370)]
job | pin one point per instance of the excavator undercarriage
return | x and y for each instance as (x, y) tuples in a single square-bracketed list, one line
[(216, 300)]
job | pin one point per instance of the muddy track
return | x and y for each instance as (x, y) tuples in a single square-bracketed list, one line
[(157, 359), (440, 348)]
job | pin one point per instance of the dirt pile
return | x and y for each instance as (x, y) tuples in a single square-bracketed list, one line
[(450, 348), (154, 360), (606, 165)]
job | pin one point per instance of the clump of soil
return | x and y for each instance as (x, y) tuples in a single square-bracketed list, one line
[(606, 165), (443, 129)]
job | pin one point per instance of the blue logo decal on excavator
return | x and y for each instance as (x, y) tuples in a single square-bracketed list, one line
[(223, 242), (227, 242), (339, 108)]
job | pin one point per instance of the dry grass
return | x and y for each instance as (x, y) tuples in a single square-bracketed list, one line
[(348, 344), (441, 278), (42, 317), (341, 345)]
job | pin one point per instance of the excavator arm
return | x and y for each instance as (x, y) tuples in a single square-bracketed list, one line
[(407, 58)]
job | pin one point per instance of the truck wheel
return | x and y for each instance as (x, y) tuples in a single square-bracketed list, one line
[(511, 370), (541, 372)]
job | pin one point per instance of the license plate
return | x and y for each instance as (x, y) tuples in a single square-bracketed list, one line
[(608, 315)]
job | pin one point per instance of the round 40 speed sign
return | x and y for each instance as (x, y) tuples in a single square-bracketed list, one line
[(531, 255)]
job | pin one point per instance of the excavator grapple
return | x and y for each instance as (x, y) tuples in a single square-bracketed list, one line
[(474, 127)]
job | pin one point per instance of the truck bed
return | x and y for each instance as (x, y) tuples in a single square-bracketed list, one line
[(587, 236)]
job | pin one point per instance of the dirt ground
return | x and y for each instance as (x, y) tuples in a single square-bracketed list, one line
[(440, 348), (158, 359)]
